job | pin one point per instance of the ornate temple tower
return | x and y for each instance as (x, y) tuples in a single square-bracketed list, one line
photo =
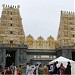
[(11, 30), (66, 32)]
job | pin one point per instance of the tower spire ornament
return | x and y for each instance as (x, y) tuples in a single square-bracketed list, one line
[(3, 5)]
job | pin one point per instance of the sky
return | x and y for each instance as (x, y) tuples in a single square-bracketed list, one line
[(40, 17)]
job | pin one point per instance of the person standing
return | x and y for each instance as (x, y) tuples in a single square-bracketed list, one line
[(29, 70), (68, 69), (16, 71), (27, 65), (40, 70), (58, 67), (20, 70), (8, 71), (46, 71), (37, 66), (12, 67), (55, 68), (51, 69), (62, 69), (36, 70)]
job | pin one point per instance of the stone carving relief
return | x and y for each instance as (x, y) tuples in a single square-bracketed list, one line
[(22, 55), (50, 41), (40, 41), (30, 40)]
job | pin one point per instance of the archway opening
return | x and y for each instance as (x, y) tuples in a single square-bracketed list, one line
[(73, 56), (10, 58)]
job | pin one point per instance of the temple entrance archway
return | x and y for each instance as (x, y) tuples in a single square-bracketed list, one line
[(10, 58)]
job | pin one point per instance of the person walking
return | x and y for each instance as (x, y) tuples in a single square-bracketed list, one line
[(40, 70)]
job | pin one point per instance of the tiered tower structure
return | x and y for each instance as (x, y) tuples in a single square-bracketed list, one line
[(66, 32), (11, 30)]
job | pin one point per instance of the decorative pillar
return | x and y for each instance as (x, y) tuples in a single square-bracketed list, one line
[(4, 57), (22, 56), (17, 57)]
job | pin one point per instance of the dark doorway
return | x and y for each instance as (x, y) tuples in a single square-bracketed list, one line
[(10, 58), (73, 56)]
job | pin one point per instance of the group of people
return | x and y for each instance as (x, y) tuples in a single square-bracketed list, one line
[(55, 68), (11, 70), (52, 69), (38, 69)]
